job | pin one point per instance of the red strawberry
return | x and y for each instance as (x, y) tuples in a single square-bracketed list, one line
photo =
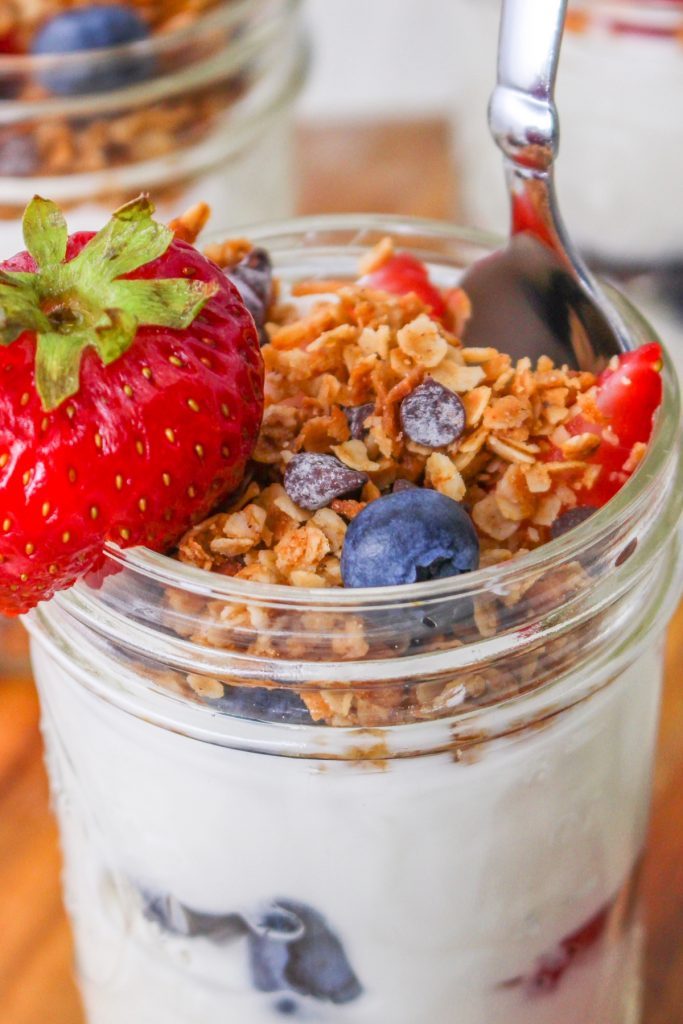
[(404, 273), (131, 393), (9, 43), (525, 217), (629, 394)]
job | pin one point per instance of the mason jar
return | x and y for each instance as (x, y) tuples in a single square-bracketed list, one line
[(401, 804), (620, 161), (207, 118)]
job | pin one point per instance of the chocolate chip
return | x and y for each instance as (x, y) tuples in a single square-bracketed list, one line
[(253, 278), (571, 518), (312, 481), (356, 416), (432, 415)]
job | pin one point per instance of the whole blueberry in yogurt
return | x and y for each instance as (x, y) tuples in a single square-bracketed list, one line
[(313, 963)]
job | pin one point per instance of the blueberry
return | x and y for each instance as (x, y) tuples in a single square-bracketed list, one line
[(356, 416), (277, 924), (291, 946), (317, 964), (253, 278), (409, 536), (263, 704), (177, 919), (432, 415), (570, 519), (268, 960), (312, 481), (92, 28), (313, 964)]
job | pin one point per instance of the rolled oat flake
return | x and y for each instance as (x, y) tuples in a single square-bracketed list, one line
[(312, 481), (432, 415)]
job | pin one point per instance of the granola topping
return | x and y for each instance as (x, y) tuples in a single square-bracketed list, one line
[(369, 394), (364, 390)]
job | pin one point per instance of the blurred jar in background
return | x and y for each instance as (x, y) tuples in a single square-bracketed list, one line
[(199, 108), (620, 171)]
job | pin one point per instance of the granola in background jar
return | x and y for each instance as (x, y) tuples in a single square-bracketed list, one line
[(197, 105)]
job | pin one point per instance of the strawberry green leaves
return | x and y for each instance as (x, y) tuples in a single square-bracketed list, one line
[(18, 309), (129, 240), (162, 302), (113, 333), (45, 232), (58, 363), (72, 306)]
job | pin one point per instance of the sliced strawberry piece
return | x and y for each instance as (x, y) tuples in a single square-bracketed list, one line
[(612, 477), (131, 393), (402, 274), (525, 217), (629, 394)]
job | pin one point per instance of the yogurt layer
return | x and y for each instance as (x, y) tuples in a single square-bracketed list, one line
[(480, 886)]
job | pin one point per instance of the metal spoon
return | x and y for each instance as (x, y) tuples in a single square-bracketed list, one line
[(536, 297)]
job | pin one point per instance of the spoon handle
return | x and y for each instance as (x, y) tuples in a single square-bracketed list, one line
[(522, 113)]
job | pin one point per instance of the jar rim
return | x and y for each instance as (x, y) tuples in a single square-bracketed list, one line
[(616, 515)]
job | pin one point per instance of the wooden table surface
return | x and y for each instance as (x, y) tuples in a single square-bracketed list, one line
[(397, 168)]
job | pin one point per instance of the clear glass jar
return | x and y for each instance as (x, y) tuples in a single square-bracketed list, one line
[(210, 120), (621, 154), (453, 821)]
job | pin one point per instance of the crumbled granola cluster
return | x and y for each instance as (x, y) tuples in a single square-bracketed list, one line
[(341, 358), (514, 465)]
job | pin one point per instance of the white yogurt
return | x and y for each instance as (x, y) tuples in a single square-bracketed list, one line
[(443, 879)]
